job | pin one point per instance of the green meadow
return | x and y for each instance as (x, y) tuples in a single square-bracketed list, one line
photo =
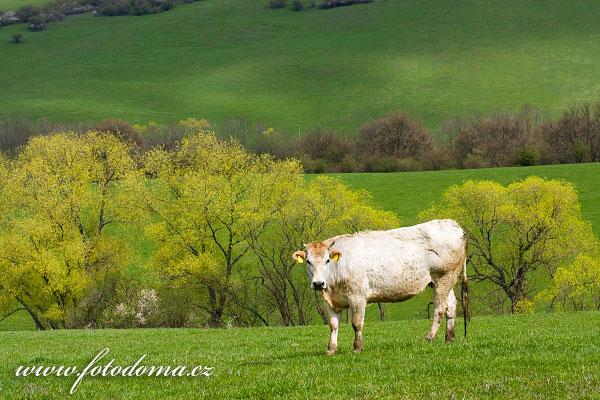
[(219, 59), (14, 5), (509, 357)]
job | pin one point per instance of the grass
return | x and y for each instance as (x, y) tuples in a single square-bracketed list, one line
[(336, 68), (14, 5), (509, 357)]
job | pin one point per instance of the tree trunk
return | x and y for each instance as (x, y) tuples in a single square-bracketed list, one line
[(320, 309), (216, 311), (515, 290), (551, 306), (381, 312), (38, 323), (297, 301)]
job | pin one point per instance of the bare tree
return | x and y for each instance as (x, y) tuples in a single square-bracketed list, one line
[(396, 135)]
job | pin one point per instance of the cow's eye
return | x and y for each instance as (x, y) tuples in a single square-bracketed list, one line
[(308, 262), (327, 262)]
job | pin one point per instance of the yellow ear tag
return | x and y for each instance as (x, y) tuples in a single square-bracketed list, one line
[(299, 260), (336, 257)]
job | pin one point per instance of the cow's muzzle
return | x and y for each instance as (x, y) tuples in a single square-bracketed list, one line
[(318, 285)]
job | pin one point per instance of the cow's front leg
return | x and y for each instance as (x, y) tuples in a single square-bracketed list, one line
[(334, 323), (358, 317)]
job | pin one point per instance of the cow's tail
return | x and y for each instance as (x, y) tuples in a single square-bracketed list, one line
[(465, 292)]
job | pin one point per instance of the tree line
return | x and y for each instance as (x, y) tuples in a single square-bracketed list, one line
[(38, 17), (395, 142)]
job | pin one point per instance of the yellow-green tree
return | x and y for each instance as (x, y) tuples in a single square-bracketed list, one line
[(63, 191), (205, 194), (306, 212), (576, 286), (513, 231)]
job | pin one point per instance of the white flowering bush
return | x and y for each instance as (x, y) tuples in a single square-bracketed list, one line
[(142, 312)]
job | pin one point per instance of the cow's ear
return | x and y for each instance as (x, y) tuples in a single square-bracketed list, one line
[(299, 256), (335, 255)]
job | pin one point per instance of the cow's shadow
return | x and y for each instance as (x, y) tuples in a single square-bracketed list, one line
[(313, 353)]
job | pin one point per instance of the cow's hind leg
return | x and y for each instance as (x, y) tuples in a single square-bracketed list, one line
[(450, 316), (357, 306), (442, 288), (334, 323)]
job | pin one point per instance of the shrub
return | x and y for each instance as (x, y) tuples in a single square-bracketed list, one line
[(167, 5), (141, 311), (349, 163), (15, 132), (140, 7), (109, 10), (408, 164), (575, 137), (193, 125), (167, 135), (9, 18), (396, 135), (496, 139), (524, 306), (387, 164), (277, 3), (310, 165), (473, 161), (329, 145), (17, 37), (339, 3), (267, 141), (438, 159), (297, 5), (36, 23), (239, 129), (527, 155), (26, 12), (121, 129)]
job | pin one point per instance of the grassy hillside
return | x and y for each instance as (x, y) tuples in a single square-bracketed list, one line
[(511, 357), (336, 68), (14, 5)]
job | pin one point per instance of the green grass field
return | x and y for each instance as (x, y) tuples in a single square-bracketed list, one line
[(14, 5), (554, 356), (337, 68)]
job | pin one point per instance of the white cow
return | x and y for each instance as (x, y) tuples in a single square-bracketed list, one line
[(389, 266)]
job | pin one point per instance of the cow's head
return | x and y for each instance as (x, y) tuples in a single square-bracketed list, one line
[(318, 257)]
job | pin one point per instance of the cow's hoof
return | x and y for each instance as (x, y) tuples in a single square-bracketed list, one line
[(330, 352), (429, 337), (356, 351)]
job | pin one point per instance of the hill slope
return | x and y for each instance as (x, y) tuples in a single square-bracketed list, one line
[(516, 357), (336, 68)]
